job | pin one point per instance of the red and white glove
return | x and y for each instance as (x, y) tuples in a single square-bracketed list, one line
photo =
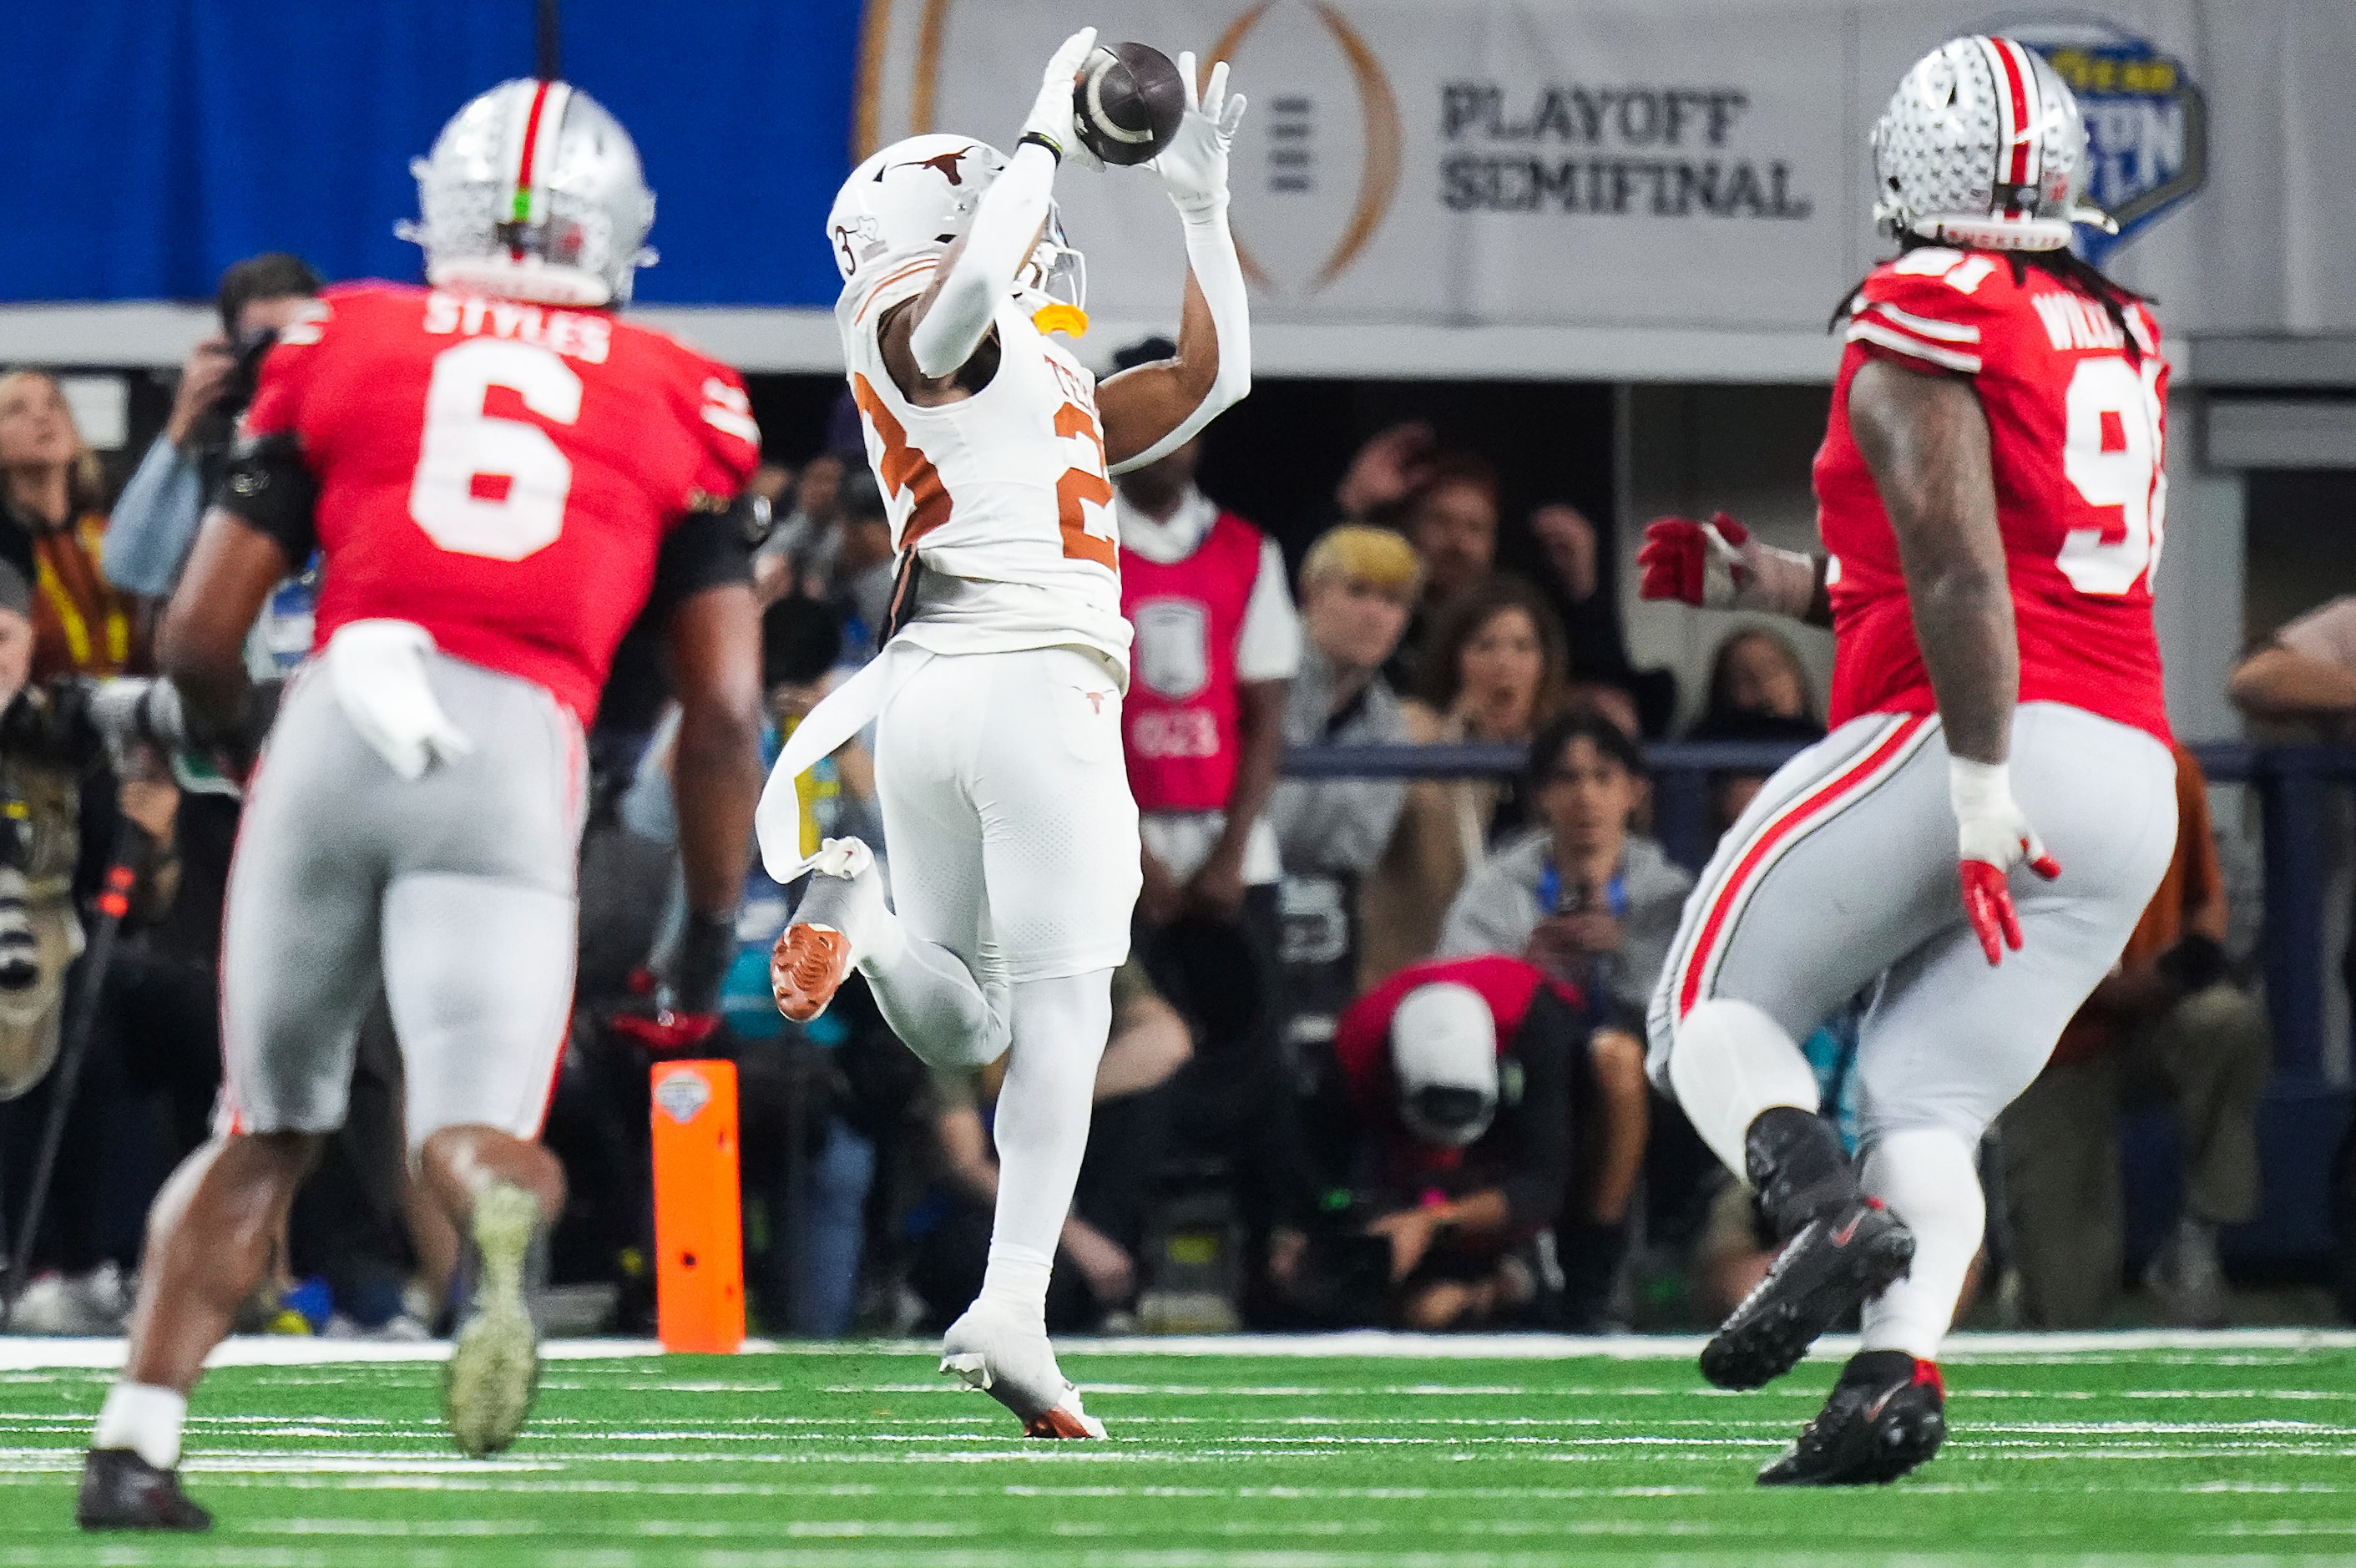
[(1718, 566), (1992, 835)]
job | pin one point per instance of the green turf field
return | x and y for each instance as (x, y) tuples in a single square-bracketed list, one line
[(761, 1461)]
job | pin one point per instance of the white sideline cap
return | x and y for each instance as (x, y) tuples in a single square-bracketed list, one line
[(1445, 1047)]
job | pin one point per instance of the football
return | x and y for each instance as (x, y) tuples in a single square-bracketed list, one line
[(1127, 103)]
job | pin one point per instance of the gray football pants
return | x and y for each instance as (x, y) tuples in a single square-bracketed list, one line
[(1840, 880), (454, 893)]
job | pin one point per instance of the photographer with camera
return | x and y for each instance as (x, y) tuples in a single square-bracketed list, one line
[(155, 520), (1478, 1103)]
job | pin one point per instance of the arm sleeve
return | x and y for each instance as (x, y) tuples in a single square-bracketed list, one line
[(1549, 1032), (1005, 226), (1269, 647), (1218, 271), (708, 549), (268, 486), (154, 523)]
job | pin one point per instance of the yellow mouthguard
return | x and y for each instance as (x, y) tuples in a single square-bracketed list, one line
[(1069, 319)]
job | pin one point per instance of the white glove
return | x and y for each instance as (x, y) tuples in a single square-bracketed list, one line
[(1992, 836), (1193, 166), (1051, 114)]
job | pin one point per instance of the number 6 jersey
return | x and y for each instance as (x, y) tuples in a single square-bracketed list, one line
[(1002, 495), (505, 475), (2076, 416)]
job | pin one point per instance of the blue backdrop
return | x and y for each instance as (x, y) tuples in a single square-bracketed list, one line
[(156, 140)]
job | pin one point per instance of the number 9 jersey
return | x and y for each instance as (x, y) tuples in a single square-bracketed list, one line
[(513, 478), (2076, 416)]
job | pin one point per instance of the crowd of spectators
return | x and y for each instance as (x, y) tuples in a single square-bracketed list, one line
[(1377, 1058)]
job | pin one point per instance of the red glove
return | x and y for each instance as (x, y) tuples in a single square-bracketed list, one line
[(1698, 563), (1993, 836)]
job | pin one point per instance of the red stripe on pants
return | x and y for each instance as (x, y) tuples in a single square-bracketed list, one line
[(1721, 907)]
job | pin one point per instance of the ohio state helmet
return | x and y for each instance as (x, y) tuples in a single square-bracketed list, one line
[(1983, 144), (918, 196), (533, 191)]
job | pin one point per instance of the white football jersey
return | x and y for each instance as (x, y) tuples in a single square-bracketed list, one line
[(1004, 495)]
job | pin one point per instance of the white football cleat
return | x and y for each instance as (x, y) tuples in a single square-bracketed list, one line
[(494, 1368), (814, 955), (1013, 1364)]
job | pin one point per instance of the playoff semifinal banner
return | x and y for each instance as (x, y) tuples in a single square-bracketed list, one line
[(1671, 162)]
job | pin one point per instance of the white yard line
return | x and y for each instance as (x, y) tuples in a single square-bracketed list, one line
[(28, 1354)]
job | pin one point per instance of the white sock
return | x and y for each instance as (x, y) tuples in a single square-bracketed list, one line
[(1729, 1062), (1930, 1179), (1016, 1280), (931, 1000), (1042, 1130), (143, 1419)]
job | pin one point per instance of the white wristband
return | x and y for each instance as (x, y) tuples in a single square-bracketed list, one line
[(1978, 789)]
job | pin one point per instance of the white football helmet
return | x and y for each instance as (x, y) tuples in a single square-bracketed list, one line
[(917, 197), (1983, 144), (533, 191)]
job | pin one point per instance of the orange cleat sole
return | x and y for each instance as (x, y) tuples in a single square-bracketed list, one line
[(806, 969), (1056, 1424)]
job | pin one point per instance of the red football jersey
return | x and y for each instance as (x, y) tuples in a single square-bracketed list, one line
[(2077, 421), (499, 473)]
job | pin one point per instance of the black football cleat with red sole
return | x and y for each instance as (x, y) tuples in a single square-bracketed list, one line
[(1831, 1265), (121, 1491), (1887, 1414)]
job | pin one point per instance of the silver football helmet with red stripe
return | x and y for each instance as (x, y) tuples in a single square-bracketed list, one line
[(533, 191), (1983, 144)]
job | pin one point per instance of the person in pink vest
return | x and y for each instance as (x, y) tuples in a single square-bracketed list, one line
[(1216, 641)]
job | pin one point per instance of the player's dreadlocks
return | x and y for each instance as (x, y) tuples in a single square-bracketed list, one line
[(2064, 264)]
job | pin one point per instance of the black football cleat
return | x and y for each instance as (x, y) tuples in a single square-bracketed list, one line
[(121, 1491), (1825, 1271), (1887, 1414)]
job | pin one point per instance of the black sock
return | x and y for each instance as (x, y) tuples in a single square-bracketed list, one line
[(1797, 1166), (1878, 1368)]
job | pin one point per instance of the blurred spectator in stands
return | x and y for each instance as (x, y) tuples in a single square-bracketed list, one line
[(1482, 1106), (864, 566), (1581, 590), (1097, 1264), (54, 528), (1755, 671), (1358, 586), (799, 555), (1391, 467), (1216, 641), (1732, 789), (1496, 677), (1609, 701), (155, 522), (42, 936), (1581, 896), (2168, 1023), (1451, 518), (2300, 684)]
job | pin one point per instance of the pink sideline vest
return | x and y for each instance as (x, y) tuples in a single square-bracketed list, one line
[(1182, 714)]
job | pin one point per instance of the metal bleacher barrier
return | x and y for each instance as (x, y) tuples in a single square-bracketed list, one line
[(2306, 1113)]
